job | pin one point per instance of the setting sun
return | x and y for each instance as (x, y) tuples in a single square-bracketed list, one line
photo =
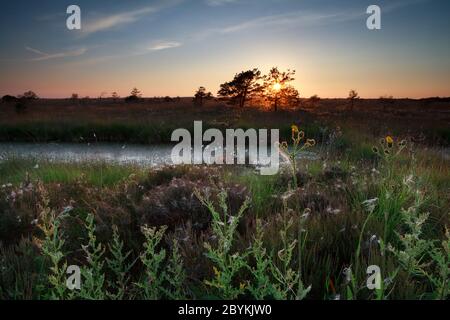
[(277, 87)]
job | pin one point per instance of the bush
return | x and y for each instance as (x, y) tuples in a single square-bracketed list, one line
[(8, 99)]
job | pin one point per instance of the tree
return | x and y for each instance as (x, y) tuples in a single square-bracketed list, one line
[(201, 95), (8, 98), (277, 89), (314, 100), (115, 96), (74, 96), (352, 97), (29, 95), (386, 101), (135, 95), (243, 86)]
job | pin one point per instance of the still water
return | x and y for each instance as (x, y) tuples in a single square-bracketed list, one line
[(145, 155)]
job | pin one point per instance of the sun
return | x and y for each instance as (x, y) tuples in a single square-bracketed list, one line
[(277, 87)]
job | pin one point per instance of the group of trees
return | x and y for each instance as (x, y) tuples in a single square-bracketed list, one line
[(274, 88), (20, 101)]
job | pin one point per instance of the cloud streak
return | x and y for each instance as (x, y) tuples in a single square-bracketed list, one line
[(42, 56), (216, 3), (299, 18), (163, 45), (116, 20), (123, 18)]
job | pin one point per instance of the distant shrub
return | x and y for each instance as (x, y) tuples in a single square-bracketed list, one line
[(29, 95), (132, 99), (8, 98)]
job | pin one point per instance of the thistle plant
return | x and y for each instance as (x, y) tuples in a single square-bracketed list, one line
[(388, 150), (226, 263), (93, 276), (291, 154)]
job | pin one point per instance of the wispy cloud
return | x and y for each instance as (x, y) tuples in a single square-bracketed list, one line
[(162, 45), (299, 18), (112, 21), (123, 18), (216, 3), (47, 56)]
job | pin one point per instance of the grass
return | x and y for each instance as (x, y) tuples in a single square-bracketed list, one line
[(98, 174), (204, 232)]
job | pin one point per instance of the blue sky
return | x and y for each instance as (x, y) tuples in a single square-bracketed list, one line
[(171, 47)]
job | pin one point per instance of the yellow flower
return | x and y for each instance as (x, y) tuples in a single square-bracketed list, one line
[(294, 128), (242, 286), (389, 140)]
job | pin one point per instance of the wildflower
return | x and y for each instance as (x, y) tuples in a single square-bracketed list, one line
[(242, 286), (370, 204), (389, 141), (294, 129)]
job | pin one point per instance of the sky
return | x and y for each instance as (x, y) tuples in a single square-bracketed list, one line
[(172, 47)]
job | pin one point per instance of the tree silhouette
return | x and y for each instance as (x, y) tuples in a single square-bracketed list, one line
[(9, 98), (135, 93), (243, 86), (29, 95), (352, 97), (314, 100), (201, 95), (277, 89), (115, 96), (74, 96), (134, 96)]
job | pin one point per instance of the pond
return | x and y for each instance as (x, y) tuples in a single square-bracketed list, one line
[(122, 154)]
